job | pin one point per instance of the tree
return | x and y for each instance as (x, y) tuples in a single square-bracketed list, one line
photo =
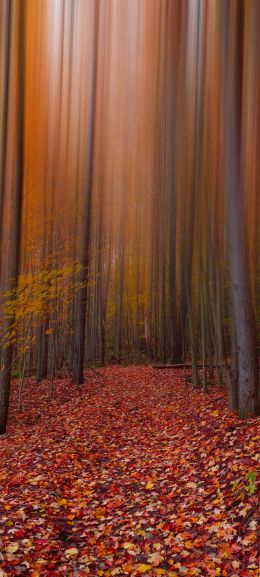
[(244, 323), (18, 14), (80, 322)]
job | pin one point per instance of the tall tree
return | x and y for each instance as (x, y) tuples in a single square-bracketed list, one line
[(18, 22), (80, 325), (244, 323), (5, 67)]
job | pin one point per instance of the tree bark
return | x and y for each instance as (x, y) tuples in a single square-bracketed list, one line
[(80, 330), (244, 322), (18, 13)]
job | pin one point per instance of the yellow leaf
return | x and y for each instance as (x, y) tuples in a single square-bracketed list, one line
[(143, 568), (71, 552), (21, 513), (62, 502), (27, 543), (160, 571), (191, 485), (12, 548), (149, 485), (128, 545)]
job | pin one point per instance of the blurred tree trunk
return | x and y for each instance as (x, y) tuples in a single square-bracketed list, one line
[(18, 17), (119, 336), (4, 83), (174, 329), (5, 67), (244, 323), (80, 321)]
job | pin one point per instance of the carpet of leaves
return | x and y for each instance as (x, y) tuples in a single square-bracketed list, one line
[(133, 473)]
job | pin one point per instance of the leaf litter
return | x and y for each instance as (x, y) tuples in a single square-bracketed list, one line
[(133, 473)]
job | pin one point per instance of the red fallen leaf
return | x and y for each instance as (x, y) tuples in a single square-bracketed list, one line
[(20, 533), (114, 504), (163, 499), (109, 563), (234, 548), (42, 543)]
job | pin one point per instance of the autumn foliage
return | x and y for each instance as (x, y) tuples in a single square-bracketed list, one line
[(135, 473), (129, 288)]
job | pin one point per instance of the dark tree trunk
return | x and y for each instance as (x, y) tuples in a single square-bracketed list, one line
[(244, 322), (18, 13), (80, 328), (4, 113)]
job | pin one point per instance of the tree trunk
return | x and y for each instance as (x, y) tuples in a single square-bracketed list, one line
[(244, 323), (80, 330), (18, 13)]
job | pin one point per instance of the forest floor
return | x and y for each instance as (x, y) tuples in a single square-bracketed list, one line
[(133, 473)]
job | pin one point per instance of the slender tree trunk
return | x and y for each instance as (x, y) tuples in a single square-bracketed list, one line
[(244, 323), (80, 331), (119, 338)]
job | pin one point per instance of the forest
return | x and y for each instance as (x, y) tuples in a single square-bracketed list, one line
[(129, 288)]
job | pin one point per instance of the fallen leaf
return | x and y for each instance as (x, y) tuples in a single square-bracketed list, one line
[(143, 568), (71, 552), (12, 548)]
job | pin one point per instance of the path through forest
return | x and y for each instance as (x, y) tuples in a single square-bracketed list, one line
[(132, 473)]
